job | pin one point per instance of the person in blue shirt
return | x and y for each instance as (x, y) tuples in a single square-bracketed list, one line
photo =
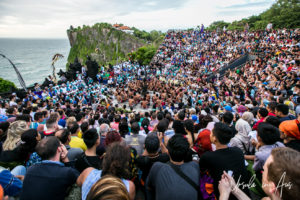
[(51, 178), (282, 111)]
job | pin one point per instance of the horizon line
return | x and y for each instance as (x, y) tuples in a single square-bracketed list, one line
[(45, 38)]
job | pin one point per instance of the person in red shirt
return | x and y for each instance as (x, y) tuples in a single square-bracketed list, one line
[(289, 67), (52, 127), (262, 114), (115, 125), (271, 108)]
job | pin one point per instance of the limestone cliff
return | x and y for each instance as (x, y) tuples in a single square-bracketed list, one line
[(102, 42)]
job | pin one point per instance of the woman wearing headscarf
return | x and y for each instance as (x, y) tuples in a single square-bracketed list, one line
[(248, 117), (241, 139)]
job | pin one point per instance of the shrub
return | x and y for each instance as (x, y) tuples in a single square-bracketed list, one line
[(6, 86)]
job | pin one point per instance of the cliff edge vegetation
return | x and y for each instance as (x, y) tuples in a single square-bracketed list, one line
[(282, 14), (6, 86), (107, 44)]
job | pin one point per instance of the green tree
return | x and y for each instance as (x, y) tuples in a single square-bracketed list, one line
[(236, 25), (282, 14), (143, 55), (108, 45), (218, 24), (6, 86)]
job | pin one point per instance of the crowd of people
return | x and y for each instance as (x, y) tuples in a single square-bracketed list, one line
[(163, 131)]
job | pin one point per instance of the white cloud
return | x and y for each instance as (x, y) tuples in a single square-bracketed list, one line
[(51, 19)]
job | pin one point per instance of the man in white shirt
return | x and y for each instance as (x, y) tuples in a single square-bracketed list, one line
[(12, 101)]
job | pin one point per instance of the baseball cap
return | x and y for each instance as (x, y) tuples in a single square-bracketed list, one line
[(228, 108), (194, 118)]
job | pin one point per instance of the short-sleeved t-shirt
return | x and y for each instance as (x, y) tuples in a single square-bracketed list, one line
[(216, 162), (136, 141), (84, 162), (77, 142), (145, 163), (165, 183)]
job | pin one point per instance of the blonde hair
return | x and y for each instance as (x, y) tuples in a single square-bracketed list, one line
[(108, 188), (15, 130)]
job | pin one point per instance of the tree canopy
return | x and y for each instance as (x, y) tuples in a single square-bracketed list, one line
[(282, 14), (143, 55), (6, 86), (150, 36)]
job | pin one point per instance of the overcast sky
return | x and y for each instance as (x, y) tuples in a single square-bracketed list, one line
[(51, 18)]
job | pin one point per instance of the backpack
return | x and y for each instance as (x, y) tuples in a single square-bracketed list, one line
[(248, 151), (206, 186), (132, 166), (187, 179)]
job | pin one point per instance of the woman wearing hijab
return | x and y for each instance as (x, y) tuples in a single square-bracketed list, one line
[(241, 139)]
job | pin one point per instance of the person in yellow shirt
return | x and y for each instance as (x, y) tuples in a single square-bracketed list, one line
[(76, 142), (79, 134)]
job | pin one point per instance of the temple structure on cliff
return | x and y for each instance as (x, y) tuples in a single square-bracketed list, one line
[(123, 28)]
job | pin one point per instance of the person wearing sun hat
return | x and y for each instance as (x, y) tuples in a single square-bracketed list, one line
[(290, 133)]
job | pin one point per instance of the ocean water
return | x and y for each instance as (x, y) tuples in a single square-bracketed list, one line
[(32, 57)]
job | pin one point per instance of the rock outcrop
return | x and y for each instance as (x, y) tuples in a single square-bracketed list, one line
[(102, 42)]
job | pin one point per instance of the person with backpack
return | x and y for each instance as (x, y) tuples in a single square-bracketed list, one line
[(182, 178), (242, 139)]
